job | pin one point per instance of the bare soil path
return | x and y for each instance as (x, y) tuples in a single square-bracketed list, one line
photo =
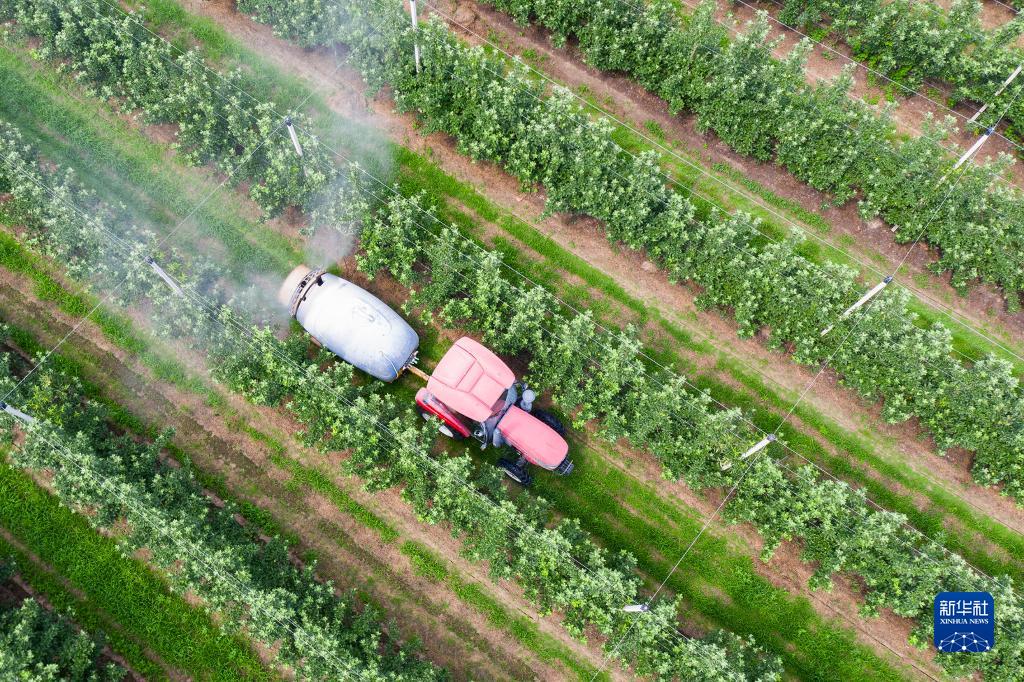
[(342, 97)]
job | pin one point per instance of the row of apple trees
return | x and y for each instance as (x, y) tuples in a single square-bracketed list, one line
[(608, 387), (557, 564), (117, 58), (502, 115), (912, 42), (600, 375), (126, 486), (763, 107), (540, 141), (389, 447), (43, 645)]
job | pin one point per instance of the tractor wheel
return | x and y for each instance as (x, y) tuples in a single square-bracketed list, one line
[(516, 473), (443, 428), (551, 420)]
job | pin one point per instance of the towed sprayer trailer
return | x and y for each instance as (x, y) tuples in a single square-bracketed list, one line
[(350, 322), (471, 391)]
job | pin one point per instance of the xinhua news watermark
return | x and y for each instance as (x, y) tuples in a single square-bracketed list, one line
[(965, 622)]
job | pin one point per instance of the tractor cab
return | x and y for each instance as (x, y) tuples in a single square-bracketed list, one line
[(474, 393)]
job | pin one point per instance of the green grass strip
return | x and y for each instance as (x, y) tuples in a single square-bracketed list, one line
[(718, 582), (439, 175), (708, 195), (522, 629), (942, 503), (115, 327), (83, 612), (321, 482), (933, 520), (136, 598)]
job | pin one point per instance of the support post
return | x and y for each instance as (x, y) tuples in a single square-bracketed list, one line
[(877, 289), (17, 414), (291, 133), (164, 276), (761, 445), (1006, 84), (636, 608), (415, 30)]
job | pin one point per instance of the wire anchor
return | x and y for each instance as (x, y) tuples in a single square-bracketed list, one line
[(877, 289), (17, 414), (164, 276), (293, 135), (415, 31)]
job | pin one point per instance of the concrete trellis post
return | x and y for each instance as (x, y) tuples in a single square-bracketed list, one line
[(416, 40), (164, 276)]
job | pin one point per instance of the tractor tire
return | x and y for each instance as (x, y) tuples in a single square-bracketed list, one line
[(517, 474), (551, 420), (442, 428)]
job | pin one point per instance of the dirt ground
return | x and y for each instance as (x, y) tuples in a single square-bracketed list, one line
[(342, 90), (217, 447), (585, 238), (345, 99), (869, 242)]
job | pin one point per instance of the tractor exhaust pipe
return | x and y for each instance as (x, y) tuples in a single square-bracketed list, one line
[(526, 402)]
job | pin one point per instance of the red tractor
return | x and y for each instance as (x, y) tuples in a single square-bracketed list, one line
[(474, 393), (471, 391)]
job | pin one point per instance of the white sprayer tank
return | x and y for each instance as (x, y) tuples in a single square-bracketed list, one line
[(350, 321)]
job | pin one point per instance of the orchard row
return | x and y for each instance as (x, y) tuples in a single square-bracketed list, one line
[(388, 445), (502, 115), (39, 644), (623, 380)]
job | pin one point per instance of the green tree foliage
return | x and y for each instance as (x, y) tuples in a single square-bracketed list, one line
[(121, 480), (497, 113), (114, 55), (913, 42), (763, 106), (37, 645), (598, 375), (693, 440), (130, 490)]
